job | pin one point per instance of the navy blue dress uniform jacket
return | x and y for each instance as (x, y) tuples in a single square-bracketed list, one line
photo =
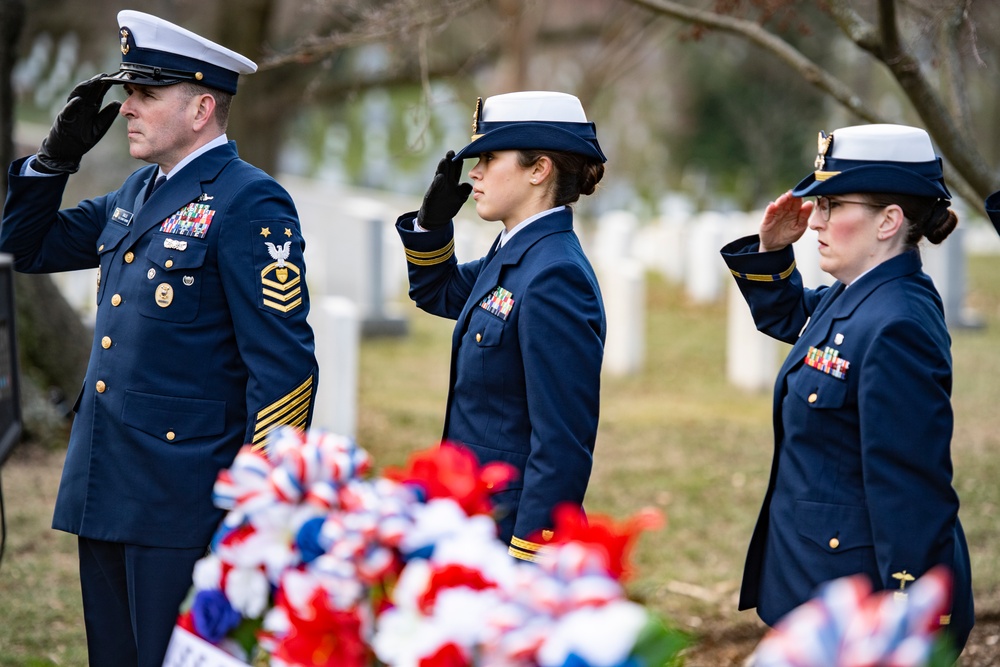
[(525, 363), (861, 480), (201, 342)]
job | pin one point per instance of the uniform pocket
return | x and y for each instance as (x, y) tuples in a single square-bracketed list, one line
[(171, 418), (172, 288), (834, 528), (819, 390), (486, 329), (490, 454)]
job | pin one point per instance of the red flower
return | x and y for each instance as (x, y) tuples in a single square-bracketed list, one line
[(452, 471), (186, 621), (612, 541), (322, 636), (452, 576), (449, 655)]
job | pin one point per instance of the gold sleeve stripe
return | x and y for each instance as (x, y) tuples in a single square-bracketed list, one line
[(433, 257), (296, 409), (433, 253), (525, 544), (296, 415), (764, 277), (290, 409), (522, 555), (261, 437)]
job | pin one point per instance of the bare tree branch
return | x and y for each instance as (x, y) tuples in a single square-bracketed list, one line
[(383, 24), (956, 145), (749, 30), (969, 172)]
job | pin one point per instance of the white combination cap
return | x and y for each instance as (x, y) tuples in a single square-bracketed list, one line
[(876, 158), (532, 120), (159, 53)]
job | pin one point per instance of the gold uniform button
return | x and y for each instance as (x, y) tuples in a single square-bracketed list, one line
[(171, 435), (116, 299), (129, 257), (106, 342), (813, 397), (168, 263), (834, 543), (100, 248), (479, 338), (101, 386)]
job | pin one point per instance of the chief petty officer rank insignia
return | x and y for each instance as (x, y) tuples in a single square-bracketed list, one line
[(280, 279)]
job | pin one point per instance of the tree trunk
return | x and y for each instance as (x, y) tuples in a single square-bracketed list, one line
[(11, 22), (53, 343), (259, 111)]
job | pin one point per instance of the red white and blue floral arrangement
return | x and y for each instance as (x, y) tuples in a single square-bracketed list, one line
[(321, 563)]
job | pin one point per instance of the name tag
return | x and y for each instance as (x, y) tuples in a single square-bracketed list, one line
[(122, 217)]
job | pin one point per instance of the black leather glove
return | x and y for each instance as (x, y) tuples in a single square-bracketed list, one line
[(78, 128), (445, 196)]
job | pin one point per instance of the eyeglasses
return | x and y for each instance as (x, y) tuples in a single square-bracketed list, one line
[(824, 205)]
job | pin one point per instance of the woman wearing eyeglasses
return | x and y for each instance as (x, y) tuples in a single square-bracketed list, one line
[(861, 479)]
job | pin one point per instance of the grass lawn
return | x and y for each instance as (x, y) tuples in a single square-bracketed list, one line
[(675, 437)]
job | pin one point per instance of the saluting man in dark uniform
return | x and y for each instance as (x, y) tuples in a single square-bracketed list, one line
[(201, 341)]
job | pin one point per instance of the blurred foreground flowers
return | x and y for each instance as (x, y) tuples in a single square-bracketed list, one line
[(320, 563), (847, 625)]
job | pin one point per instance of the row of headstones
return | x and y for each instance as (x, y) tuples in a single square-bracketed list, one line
[(684, 248), (357, 280)]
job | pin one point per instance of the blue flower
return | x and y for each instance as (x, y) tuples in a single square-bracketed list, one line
[(308, 540), (213, 616)]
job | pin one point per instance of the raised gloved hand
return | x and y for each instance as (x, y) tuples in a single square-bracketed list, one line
[(445, 195), (77, 128)]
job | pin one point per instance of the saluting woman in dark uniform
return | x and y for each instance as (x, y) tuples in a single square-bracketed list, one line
[(529, 339), (861, 480)]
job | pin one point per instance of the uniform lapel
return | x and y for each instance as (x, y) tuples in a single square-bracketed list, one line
[(840, 306), (511, 253), (140, 196), (179, 190)]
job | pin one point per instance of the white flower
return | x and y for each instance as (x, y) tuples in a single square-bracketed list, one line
[(398, 637), (464, 614), (248, 591), (440, 519), (208, 573), (601, 637)]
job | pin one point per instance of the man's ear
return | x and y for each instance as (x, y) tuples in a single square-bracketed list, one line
[(204, 111)]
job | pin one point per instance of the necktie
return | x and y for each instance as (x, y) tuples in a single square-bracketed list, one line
[(160, 180)]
